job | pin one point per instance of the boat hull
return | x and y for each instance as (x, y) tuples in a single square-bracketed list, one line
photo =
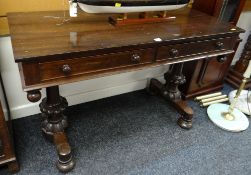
[(127, 9)]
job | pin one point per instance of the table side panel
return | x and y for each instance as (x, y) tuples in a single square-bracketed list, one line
[(30, 73)]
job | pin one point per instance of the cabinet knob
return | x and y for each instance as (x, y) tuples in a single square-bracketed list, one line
[(135, 58), (221, 59), (174, 52), (66, 68), (219, 45)]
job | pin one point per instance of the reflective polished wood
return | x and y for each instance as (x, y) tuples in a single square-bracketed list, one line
[(52, 49)]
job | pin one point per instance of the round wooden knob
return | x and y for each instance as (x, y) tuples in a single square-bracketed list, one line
[(222, 59), (66, 68), (34, 96), (135, 58), (174, 52), (219, 45)]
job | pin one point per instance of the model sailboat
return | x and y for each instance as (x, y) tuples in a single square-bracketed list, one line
[(130, 6)]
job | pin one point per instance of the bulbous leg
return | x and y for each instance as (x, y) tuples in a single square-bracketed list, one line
[(54, 125), (52, 110), (171, 93)]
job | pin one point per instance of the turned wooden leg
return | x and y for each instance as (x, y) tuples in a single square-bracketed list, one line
[(52, 108), (171, 93), (65, 161), (54, 125)]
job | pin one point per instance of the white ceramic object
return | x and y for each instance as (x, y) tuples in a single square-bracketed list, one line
[(73, 9), (113, 9), (240, 123), (244, 101)]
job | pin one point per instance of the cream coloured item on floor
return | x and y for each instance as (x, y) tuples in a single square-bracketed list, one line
[(244, 101), (228, 117), (240, 122)]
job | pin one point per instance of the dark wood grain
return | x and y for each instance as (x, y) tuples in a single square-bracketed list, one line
[(206, 6), (7, 155), (187, 49), (206, 76), (214, 8), (65, 161), (52, 70), (48, 36)]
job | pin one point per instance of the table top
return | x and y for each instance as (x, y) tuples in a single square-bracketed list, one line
[(39, 35)]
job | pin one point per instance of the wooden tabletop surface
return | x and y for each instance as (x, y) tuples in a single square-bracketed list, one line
[(37, 35)]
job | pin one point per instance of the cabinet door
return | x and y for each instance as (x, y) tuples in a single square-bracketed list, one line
[(204, 76), (212, 71)]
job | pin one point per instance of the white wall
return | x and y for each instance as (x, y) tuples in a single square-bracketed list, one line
[(244, 23), (76, 92)]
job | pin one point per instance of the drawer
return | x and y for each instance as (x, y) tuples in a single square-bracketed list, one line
[(193, 48), (99, 63)]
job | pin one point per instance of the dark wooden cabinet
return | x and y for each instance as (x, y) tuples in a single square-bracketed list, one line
[(235, 75), (225, 10), (205, 76), (7, 155)]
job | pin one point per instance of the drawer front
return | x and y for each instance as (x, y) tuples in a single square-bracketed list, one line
[(88, 65), (189, 49)]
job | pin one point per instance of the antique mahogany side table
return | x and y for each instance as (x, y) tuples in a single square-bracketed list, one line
[(52, 50)]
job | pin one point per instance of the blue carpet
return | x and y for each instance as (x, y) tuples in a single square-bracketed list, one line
[(135, 133)]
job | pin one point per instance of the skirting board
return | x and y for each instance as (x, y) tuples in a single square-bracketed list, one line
[(32, 108)]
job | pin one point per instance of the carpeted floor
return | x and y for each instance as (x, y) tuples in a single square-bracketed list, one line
[(135, 133)]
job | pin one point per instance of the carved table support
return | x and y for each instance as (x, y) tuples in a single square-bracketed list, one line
[(54, 125), (52, 108), (171, 93), (235, 74)]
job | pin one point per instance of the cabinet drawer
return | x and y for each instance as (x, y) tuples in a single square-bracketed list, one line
[(193, 48), (88, 65)]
